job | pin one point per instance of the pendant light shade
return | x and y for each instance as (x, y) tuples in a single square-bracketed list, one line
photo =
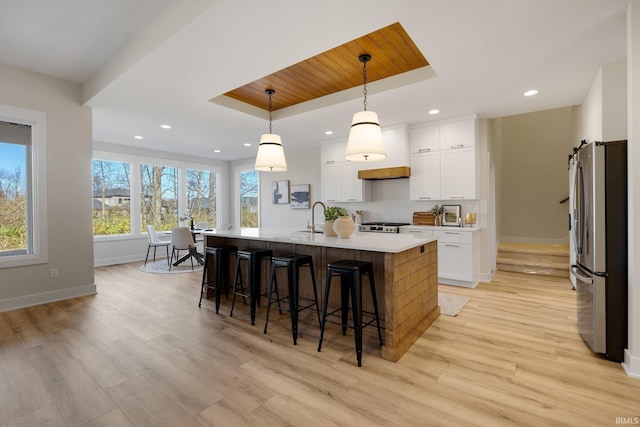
[(365, 138), (270, 156)]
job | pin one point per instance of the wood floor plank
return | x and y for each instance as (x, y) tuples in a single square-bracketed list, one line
[(141, 352)]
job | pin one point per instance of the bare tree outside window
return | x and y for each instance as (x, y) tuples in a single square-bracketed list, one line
[(159, 196), (201, 196), (249, 199), (111, 198), (14, 215)]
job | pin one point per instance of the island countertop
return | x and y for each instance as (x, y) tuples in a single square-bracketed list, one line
[(372, 242)]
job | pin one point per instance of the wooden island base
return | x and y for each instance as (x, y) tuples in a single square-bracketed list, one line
[(406, 284)]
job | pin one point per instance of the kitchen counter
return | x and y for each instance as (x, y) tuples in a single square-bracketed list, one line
[(376, 242), (405, 274)]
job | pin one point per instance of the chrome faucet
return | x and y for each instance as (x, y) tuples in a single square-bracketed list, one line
[(313, 217)]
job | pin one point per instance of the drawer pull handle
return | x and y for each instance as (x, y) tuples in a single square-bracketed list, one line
[(330, 162), (424, 198), (453, 246), (424, 150), (455, 147)]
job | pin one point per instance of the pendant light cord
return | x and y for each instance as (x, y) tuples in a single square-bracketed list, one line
[(270, 105), (364, 75)]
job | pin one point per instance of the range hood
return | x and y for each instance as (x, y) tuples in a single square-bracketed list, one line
[(385, 173)]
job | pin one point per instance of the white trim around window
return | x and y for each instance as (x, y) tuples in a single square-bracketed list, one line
[(40, 243)]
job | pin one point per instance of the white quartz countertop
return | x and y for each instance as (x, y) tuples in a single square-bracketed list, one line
[(441, 228), (374, 242)]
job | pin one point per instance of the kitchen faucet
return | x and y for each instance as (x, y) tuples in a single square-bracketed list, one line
[(313, 217)]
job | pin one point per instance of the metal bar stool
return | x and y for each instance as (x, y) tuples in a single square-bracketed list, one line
[(220, 256), (292, 263), (351, 272), (254, 257)]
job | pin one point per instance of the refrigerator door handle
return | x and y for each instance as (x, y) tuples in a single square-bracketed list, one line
[(577, 271)]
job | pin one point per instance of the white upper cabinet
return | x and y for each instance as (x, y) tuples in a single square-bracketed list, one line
[(443, 161), (424, 139), (332, 152), (396, 144), (458, 134)]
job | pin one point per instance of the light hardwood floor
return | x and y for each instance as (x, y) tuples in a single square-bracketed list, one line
[(141, 353)]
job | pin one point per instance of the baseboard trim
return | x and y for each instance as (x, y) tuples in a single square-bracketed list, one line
[(46, 297), (454, 282), (102, 262), (631, 364)]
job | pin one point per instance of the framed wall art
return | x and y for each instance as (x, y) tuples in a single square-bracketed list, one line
[(300, 196), (451, 215), (280, 192)]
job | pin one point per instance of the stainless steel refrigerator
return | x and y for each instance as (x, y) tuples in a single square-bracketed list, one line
[(599, 229)]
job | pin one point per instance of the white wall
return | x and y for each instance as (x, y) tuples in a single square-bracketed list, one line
[(632, 355), (303, 167), (69, 192)]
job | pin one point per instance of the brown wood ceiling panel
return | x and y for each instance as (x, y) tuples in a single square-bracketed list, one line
[(392, 52)]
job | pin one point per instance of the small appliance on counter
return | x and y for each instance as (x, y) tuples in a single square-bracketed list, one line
[(382, 227)]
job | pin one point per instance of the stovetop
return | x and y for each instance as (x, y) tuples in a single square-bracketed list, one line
[(382, 227)]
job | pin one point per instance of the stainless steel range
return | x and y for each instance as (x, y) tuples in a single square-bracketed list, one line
[(382, 227)]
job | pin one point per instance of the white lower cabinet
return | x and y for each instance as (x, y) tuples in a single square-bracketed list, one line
[(456, 260), (458, 253)]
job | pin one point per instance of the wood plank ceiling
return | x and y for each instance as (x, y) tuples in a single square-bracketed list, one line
[(392, 52)]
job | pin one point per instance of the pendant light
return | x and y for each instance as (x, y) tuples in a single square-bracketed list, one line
[(270, 156), (365, 138)]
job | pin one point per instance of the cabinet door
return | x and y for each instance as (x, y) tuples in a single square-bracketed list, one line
[(352, 187), (458, 134), (332, 153), (331, 182), (424, 183), (455, 261), (458, 174), (424, 139)]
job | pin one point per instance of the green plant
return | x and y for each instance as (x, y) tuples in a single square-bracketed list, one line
[(334, 212), (437, 210)]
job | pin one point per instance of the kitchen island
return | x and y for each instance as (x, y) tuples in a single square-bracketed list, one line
[(405, 273)]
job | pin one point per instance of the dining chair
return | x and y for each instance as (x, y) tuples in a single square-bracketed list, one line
[(182, 240), (154, 242)]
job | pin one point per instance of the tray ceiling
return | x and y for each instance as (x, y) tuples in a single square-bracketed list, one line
[(392, 53)]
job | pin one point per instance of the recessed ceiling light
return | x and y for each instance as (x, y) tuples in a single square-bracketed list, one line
[(329, 132), (137, 137), (247, 144), (531, 92), (432, 112), (165, 126), (216, 151)]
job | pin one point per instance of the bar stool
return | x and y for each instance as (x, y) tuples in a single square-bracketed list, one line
[(220, 256), (254, 257), (351, 272), (292, 263)]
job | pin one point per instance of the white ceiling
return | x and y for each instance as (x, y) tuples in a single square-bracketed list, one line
[(144, 63)]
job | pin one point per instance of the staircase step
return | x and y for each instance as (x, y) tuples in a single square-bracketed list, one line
[(533, 258)]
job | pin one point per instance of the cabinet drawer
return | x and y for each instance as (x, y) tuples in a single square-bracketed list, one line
[(414, 230), (453, 236)]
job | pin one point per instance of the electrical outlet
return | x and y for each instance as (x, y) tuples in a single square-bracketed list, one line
[(54, 273)]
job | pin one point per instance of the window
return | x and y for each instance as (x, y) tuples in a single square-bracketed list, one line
[(111, 198), (201, 196), (249, 198), (23, 232), (159, 196)]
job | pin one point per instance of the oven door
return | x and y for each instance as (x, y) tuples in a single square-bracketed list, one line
[(590, 302)]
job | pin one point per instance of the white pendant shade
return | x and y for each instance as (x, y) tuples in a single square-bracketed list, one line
[(365, 138), (270, 156)]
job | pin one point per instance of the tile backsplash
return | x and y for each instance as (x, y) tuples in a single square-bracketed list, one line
[(390, 202)]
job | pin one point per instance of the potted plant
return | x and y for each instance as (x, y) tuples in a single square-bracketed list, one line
[(330, 215), (437, 212)]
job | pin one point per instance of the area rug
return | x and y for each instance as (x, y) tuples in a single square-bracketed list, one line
[(161, 267), (451, 305)]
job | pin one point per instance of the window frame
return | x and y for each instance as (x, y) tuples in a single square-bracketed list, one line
[(36, 183), (135, 161)]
